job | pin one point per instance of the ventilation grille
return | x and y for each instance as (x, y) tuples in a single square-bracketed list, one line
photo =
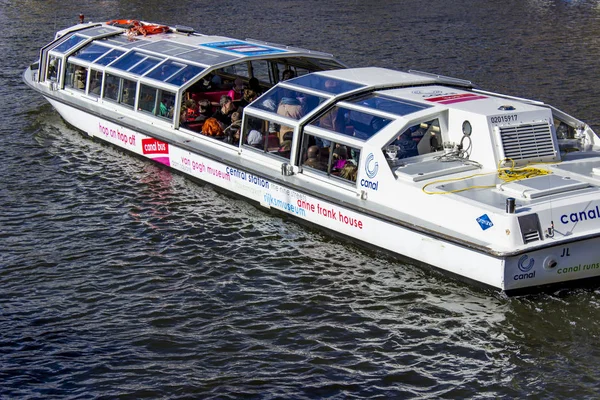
[(530, 228), (529, 237), (527, 142)]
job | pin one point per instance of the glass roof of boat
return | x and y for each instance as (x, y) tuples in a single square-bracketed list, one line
[(91, 52), (167, 48), (206, 57), (398, 107), (69, 43), (136, 62), (98, 31), (110, 57), (325, 84), (278, 96), (174, 72)]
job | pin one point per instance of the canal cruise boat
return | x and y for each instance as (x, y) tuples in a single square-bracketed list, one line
[(494, 189)]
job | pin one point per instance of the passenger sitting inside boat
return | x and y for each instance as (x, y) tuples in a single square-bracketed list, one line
[(254, 84), (407, 147), (237, 91), (204, 110), (248, 97), (211, 127), (314, 158), (223, 114), (289, 107), (349, 172), (255, 139), (340, 158), (287, 74), (232, 132)]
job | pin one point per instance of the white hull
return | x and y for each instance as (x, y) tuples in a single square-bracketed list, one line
[(491, 188), (498, 272)]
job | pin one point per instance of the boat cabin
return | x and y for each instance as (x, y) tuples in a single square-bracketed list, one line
[(156, 74)]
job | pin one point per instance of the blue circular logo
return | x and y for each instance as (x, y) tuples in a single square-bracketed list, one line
[(371, 166), (524, 265)]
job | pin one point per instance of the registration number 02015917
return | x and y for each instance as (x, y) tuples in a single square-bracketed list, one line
[(503, 119)]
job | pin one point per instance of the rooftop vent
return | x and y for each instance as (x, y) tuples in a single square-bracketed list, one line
[(528, 142)]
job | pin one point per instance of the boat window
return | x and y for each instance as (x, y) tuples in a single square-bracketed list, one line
[(421, 138), (260, 70), (358, 124), (167, 47), (185, 75), (53, 68), (288, 103), (325, 84), (156, 101), (240, 69), (69, 43), (265, 135), (95, 83), (394, 106), (91, 52), (145, 65), (206, 57), (330, 158), (109, 57), (165, 71), (111, 87), (128, 94), (136, 62), (75, 77), (284, 71)]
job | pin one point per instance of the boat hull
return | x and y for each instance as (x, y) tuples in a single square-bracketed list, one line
[(514, 274), (458, 260)]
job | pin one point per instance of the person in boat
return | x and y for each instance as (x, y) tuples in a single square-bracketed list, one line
[(340, 158), (254, 85), (289, 107), (223, 113), (255, 138), (285, 149), (232, 132), (314, 158), (349, 172), (212, 127), (204, 110), (237, 91), (287, 74), (407, 147), (80, 78), (191, 110), (248, 97)]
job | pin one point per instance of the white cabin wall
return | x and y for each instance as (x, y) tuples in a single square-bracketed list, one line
[(483, 148)]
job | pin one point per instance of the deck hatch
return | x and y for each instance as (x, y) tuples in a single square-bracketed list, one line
[(528, 142)]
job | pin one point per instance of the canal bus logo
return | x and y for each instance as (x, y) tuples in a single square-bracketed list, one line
[(524, 265), (371, 166), (485, 222)]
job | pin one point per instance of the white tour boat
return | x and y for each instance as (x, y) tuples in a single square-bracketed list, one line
[(495, 189)]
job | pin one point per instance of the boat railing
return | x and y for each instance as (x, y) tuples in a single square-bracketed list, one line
[(443, 78)]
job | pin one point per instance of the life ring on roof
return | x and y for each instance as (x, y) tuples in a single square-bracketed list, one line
[(136, 27), (123, 23)]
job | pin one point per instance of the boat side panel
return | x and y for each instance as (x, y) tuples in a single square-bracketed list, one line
[(447, 256), (566, 262)]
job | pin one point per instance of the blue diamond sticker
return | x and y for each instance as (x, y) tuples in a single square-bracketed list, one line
[(485, 222)]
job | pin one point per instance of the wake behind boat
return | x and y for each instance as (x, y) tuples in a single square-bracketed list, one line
[(495, 189)]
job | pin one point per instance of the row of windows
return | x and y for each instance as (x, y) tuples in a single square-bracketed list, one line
[(151, 100)]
